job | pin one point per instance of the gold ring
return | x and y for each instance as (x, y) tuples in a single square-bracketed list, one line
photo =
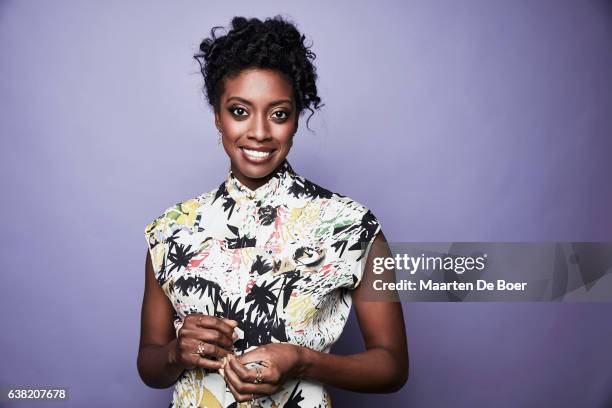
[(259, 378), (200, 349)]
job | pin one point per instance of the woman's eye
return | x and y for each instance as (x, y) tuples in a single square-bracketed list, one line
[(283, 114), (238, 111)]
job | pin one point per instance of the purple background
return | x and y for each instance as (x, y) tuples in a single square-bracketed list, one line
[(452, 121)]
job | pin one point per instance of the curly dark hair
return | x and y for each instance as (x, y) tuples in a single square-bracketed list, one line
[(251, 43)]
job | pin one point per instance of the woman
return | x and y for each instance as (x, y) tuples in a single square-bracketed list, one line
[(248, 285)]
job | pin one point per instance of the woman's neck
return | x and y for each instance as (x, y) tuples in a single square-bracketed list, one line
[(250, 182)]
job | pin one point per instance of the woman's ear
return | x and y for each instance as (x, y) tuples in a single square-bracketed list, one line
[(217, 120)]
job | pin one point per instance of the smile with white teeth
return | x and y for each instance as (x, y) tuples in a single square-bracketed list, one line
[(255, 154)]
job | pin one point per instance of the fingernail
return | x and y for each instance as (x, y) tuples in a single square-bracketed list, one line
[(239, 332)]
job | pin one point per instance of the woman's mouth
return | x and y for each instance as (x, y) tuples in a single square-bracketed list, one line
[(256, 156)]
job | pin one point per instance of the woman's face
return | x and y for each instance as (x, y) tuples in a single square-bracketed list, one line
[(257, 117)]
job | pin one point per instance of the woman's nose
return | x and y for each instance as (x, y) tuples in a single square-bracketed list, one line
[(260, 131)]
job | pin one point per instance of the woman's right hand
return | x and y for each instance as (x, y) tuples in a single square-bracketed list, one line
[(216, 334)]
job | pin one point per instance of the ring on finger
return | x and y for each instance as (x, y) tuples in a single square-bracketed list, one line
[(200, 349), (259, 377)]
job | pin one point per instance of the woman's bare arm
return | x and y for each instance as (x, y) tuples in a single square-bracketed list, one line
[(383, 367), (157, 336)]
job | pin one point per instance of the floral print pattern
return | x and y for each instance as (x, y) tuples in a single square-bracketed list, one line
[(281, 260)]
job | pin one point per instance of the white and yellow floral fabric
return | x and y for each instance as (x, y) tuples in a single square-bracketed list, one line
[(281, 260)]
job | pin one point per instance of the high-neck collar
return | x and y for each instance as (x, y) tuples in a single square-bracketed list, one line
[(280, 179)]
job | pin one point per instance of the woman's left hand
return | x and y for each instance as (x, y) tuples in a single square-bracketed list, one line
[(279, 362)]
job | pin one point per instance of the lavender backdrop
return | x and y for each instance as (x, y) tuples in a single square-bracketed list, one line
[(453, 121)]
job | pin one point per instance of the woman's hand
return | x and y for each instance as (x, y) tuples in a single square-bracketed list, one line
[(276, 363), (216, 336)]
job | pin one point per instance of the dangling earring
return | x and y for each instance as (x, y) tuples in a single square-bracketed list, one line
[(220, 135)]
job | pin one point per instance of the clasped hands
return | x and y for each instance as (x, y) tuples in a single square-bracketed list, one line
[(207, 342)]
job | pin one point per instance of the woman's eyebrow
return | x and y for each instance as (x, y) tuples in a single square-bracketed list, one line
[(246, 102)]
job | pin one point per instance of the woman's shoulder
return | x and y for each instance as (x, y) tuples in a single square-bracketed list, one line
[(180, 214), (342, 222), (337, 205), (331, 198)]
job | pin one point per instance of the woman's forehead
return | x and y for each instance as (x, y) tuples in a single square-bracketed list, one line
[(258, 85)]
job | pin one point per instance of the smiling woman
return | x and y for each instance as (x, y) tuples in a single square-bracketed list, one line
[(258, 119), (248, 286)]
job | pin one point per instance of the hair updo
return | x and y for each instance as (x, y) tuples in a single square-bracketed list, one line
[(251, 43)]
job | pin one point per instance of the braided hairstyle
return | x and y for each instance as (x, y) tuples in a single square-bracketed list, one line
[(251, 43)]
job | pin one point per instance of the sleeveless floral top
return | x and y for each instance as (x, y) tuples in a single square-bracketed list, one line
[(281, 260)]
